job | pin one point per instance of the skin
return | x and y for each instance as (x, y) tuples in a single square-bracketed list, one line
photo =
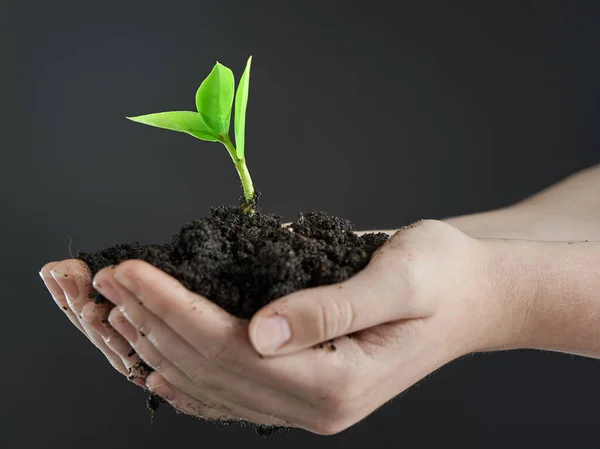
[(520, 277)]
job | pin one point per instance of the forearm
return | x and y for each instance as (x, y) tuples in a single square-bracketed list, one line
[(548, 294)]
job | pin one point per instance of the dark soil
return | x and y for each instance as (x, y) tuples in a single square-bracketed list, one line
[(242, 263)]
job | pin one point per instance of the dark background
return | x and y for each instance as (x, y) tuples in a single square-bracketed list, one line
[(380, 112)]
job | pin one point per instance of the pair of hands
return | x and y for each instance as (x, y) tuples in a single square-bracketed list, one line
[(429, 295)]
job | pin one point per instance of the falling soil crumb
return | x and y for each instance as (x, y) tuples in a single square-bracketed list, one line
[(152, 404)]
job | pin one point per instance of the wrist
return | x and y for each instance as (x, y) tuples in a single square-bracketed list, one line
[(497, 314), (544, 295)]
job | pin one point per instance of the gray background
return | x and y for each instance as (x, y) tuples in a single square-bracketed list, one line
[(382, 112)]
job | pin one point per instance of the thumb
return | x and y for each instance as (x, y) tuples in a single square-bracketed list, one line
[(375, 295)]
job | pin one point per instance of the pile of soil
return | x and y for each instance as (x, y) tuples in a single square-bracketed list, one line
[(243, 262)]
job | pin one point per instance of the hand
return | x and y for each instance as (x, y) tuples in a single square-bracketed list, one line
[(428, 296), (70, 285)]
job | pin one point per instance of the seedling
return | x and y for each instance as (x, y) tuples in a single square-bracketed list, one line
[(214, 100)]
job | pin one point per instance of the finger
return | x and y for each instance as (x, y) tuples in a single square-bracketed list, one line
[(96, 317), (58, 295), (214, 334), (212, 374), (211, 398), (297, 375), (72, 285), (204, 325), (375, 295), (208, 329), (74, 278)]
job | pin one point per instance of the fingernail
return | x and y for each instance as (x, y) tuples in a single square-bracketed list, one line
[(128, 283), (67, 284), (271, 333), (110, 291), (124, 328)]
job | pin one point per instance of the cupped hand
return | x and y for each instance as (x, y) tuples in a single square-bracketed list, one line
[(70, 285), (324, 358)]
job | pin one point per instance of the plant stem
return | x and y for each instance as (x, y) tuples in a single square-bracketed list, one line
[(242, 169)]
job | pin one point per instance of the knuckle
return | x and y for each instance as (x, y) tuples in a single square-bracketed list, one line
[(138, 270), (130, 267), (89, 313), (93, 312), (335, 316), (154, 360), (346, 314), (49, 266), (165, 310), (75, 267), (410, 235)]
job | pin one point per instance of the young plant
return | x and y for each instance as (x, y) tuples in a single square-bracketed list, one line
[(214, 100)]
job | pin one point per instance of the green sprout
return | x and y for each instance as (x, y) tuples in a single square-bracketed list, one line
[(214, 100)]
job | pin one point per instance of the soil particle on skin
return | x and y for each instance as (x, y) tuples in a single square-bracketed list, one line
[(243, 262)]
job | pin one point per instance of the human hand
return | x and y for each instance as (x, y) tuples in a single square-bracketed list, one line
[(429, 295), (70, 285)]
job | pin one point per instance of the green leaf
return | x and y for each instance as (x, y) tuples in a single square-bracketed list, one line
[(181, 121), (241, 102), (214, 99)]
